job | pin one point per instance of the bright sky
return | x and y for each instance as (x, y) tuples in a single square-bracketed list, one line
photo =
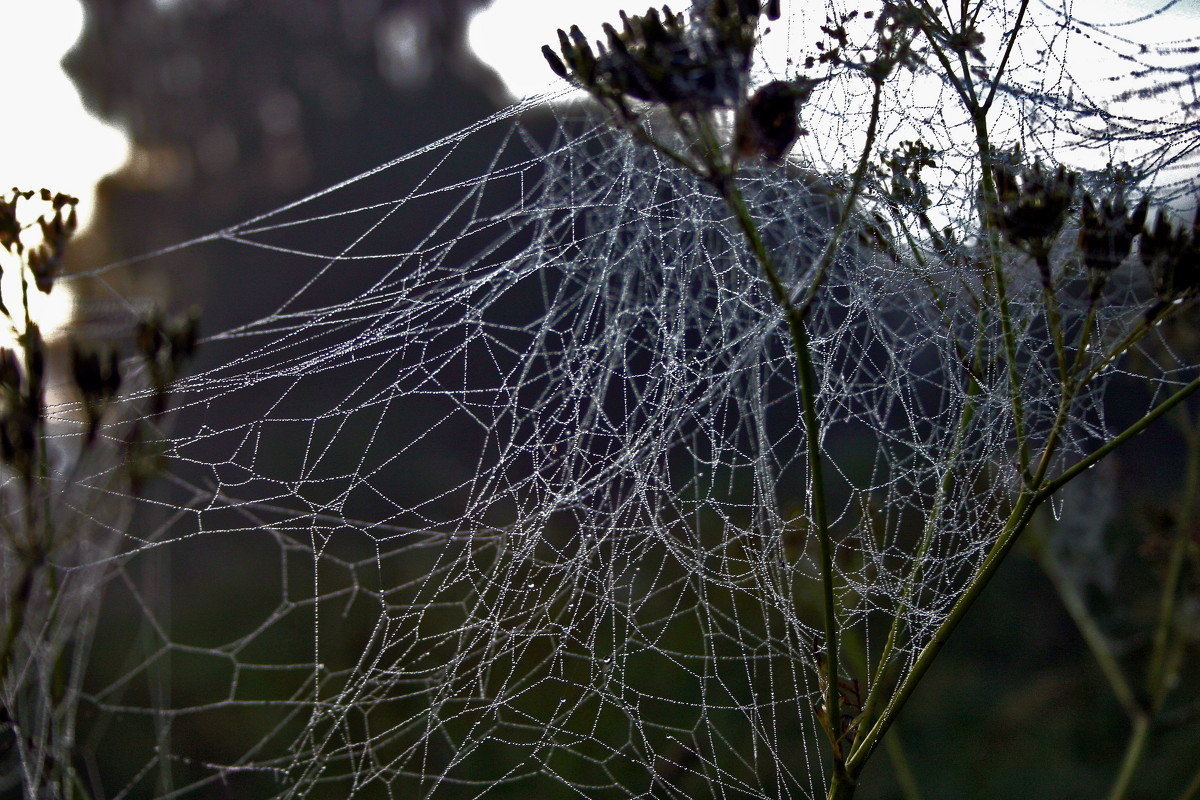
[(509, 34), (55, 143), (48, 138)]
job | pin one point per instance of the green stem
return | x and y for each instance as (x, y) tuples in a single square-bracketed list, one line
[(17, 605), (726, 185), (1018, 520), (808, 391), (1012, 39), (1134, 336), (1156, 675), (989, 214), (944, 488), (1193, 788), (900, 765), (1157, 679), (1096, 641), (1134, 750), (1085, 338), (1132, 431), (720, 175), (640, 132), (932, 31), (1054, 322), (856, 184), (821, 517), (841, 787)]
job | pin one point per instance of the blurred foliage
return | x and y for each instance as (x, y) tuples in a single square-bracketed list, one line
[(68, 482)]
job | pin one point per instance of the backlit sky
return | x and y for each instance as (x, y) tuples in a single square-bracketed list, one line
[(509, 33), (48, 138), (68, 150)]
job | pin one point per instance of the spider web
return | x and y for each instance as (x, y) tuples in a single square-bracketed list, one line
[(518, 504)]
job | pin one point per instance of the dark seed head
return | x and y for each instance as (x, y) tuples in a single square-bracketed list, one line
[(768, 123)]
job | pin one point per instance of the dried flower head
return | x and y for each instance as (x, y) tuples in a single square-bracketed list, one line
[(97, 379), (1032, 205), (165, 345), (10, 225), (1107, 231), (1172, 257), (904, 165), (45, 260), (660, 58)]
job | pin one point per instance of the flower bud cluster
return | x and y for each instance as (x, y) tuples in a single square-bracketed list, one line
[(904, 166), (1033, 204), (1106, 235), (45, 260), (1172, 257), (165, 345), (21, 405), (1107, 231), (694, 66), (97, 378)]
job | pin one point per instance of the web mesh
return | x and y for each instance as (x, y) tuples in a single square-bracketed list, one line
[(519, 503)]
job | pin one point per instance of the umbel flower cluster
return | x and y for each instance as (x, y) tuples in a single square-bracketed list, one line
[(1172, 254), (659, 59), (689, 66), (1033, 208)]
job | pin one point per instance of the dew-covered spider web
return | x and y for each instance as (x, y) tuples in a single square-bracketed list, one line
[(518, 505)]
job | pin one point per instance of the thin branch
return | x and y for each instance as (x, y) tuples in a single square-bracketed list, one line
[(1012, 40), (856, 184), (1095, 639), (1132, 431)]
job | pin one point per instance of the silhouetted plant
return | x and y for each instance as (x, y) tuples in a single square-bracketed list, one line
[(54, 516)]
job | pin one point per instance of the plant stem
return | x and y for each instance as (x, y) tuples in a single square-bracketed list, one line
[(1096, 641), (841, 787), (1193, 789), (1134, 750), (726, 186), (989, 215), (1156, 675), (1012, 39), (856, 184), (1018, 520), (808, 390), (1054, 323), (944, 488), (900, 765), (15, 621), (1157, 679), (1090, 460)]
